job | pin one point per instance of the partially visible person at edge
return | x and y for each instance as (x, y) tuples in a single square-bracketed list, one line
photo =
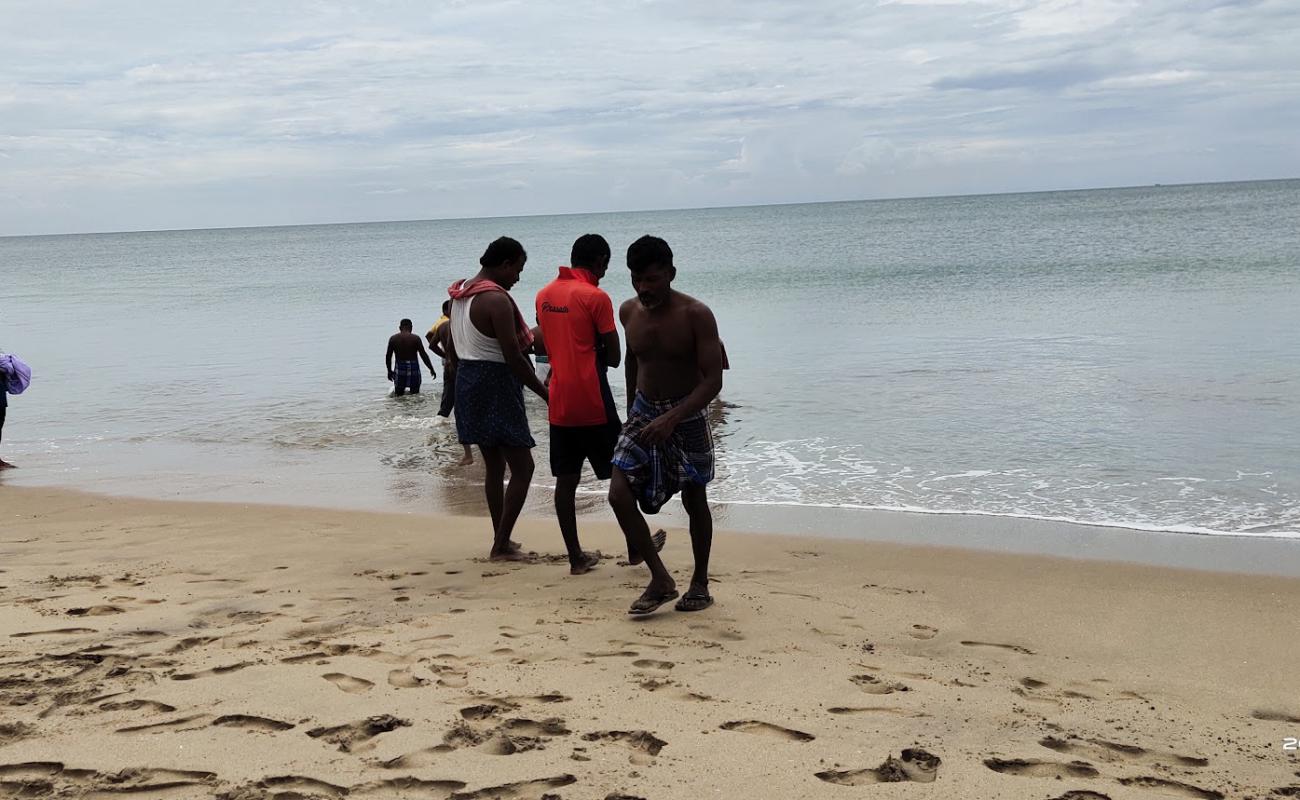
[(674, 369), (541, 361), (438, 337), (4, 405), (409, 350), (488, 340), (576, 319)]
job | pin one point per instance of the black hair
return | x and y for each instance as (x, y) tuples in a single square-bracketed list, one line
[(500, 251), (406, 323), (588, 250), (648, 251), (446, 306)]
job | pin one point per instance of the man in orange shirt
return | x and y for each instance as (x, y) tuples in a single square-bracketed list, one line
[(577, 322)]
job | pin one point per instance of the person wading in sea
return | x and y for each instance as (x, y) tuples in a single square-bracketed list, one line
[(674, 369), (488, 340), (408, 348)]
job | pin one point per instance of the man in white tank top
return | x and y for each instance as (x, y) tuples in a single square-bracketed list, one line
[(488, 340)]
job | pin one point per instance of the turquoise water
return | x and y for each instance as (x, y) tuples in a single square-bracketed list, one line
[(1116, 357)]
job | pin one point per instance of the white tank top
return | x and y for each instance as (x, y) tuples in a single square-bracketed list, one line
[(471, 344)]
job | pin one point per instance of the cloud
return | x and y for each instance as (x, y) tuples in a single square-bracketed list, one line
[(244, 113)]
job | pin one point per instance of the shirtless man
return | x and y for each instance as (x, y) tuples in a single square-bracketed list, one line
[(406, 346), (674, 368)]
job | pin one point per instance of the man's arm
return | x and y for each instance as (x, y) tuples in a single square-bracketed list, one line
[(629, 364), (388, 359), (502, 313), (610, 349), (419, 348), (708, 356), (432, 338), (602, 314)]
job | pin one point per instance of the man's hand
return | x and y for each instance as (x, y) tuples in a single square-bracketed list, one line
[(432, 374), (659, 430), (392, 376)]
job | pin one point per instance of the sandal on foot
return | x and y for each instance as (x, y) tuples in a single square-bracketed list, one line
[(694, 600), (650, 600), (587, 564)]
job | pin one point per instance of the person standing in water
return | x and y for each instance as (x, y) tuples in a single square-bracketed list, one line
[(408, 349), (439, 336), (488, 340)]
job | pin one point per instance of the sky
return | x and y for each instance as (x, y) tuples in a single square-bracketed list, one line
[(157, 115)]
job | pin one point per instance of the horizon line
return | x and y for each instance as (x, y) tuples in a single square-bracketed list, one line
[(653, 210)]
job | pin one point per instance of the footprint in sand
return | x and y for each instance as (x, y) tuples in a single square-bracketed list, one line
[(651, 665), (408, 788), (644, 744), (1015, 648), (348, 683), (1273, 716), (95, 611), (1103, 750), (248, 722), (612, 654), (1082, 794), (189, 676), (138, 705), (403, 679), (768, 729), (293, 786), (922, 632), (183, 723), (873, 685), (898, 712), (1172, 787), (55, 632), (52, 778), (913, 764), (354, 737), (191, 643), (1035, 768), (520, 790)]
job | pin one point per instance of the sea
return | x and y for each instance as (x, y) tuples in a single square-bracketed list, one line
[(1120, 357)]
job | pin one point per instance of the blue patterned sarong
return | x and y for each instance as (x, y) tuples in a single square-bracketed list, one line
[(657, 473), (407, 376), (490, 406)]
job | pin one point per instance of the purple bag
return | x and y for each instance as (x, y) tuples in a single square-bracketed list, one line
[(18, 376)]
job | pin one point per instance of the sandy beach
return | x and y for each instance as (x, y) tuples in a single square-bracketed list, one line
[(181, 650)]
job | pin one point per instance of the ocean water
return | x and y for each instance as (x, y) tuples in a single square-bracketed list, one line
[(1116, 357)]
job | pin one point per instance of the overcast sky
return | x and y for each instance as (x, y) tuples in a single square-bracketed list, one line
[(147, 115)]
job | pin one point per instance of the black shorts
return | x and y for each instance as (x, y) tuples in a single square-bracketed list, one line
[(593, 443)]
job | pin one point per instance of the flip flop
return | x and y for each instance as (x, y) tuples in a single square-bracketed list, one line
[(660, 537), (694, 601), (649, 602), (588, 563)]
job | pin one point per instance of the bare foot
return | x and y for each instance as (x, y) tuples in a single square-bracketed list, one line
[(659, 538), (506, 555), (588, 562), (6, 465), (466, 459)]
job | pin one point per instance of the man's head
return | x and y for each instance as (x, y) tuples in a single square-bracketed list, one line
[(650, 260), (503, 260), (590, 252), (446, 308), (404, 326)]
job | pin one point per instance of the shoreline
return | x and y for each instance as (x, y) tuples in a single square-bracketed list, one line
[(1024, 535), (329, 653)]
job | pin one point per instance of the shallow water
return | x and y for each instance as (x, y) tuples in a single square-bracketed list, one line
[(1114, 357)]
